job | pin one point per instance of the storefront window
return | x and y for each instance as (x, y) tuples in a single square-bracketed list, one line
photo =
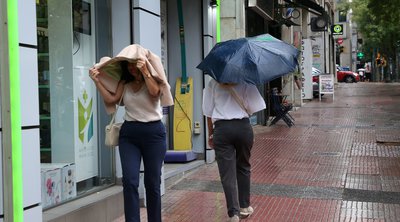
[(69, 145)]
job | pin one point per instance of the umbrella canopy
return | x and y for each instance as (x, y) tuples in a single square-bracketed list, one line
[(254, 60)]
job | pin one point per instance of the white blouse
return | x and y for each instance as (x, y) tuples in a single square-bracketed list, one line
[(140, 106), (218, 102)]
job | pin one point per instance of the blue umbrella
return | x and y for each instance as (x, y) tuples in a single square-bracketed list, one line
[(254, 60)]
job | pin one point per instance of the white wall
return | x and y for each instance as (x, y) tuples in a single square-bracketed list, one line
[(147, 24), (120, 25), (31, 167), (29, 111), (33, 215), (29, 104)]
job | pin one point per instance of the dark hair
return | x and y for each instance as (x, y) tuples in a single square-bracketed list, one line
[(125, 72)]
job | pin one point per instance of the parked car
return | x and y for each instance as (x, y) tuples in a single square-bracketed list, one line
[(345, 68), (346, 76), (315, 81)]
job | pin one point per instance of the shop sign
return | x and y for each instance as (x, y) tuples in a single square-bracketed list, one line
[(337, 29), (326, 84)]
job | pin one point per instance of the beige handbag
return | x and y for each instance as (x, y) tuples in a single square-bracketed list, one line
[(112, 129)]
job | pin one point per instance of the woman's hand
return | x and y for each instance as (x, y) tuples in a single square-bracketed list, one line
[(211, 141), (94, 74), (152, 85), (141, 65), (210, 127)]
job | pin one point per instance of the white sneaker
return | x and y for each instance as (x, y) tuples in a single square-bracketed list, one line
[(246, 212), (234, 219)]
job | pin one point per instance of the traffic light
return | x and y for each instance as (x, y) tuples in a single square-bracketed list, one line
[(318, 24), (360, 55), (341, 49)]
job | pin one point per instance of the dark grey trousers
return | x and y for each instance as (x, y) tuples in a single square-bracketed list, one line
[(233, 140)]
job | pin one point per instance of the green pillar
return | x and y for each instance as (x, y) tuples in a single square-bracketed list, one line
[(218, 26), (11, 113)]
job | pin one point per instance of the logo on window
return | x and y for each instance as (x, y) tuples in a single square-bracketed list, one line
[(85, 119)]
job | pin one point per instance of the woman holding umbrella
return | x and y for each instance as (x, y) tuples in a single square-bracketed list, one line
[(142, 136), (228, 108), (231, 97)]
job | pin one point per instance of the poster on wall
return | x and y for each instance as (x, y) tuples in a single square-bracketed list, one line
[(306, 69), (86, 152), (318, 53)]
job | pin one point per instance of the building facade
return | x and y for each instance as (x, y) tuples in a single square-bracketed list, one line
[(67, 172), (62, 116), (290, 21)]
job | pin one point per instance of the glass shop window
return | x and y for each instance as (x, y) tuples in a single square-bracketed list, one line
[(69, 147)]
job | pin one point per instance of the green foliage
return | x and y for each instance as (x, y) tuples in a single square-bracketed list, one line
[(378, 23), (343, 6)]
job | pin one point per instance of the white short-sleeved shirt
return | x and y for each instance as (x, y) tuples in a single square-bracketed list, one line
[(218, 102)]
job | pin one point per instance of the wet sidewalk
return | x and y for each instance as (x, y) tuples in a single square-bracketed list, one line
[(340, 162)]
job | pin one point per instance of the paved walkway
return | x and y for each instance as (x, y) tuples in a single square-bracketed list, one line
[(340, 162)]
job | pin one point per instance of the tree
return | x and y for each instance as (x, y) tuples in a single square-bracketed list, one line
[(378, 23)]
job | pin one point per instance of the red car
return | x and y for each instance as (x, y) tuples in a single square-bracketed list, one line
[(347, 76)]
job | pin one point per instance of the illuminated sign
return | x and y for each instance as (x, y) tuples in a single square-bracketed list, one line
[(337, 29)]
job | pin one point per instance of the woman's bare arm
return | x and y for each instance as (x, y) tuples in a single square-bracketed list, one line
[(111, 98)]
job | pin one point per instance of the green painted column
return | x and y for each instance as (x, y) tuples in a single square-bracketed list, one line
[(11, 113), (218, 20)]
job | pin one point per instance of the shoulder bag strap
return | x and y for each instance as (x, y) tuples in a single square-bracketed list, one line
[(118, 105), (238, 100)]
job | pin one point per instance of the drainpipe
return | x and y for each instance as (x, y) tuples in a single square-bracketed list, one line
[(11, 113)]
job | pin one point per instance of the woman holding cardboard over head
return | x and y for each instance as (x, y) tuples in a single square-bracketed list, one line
[(136, 75)]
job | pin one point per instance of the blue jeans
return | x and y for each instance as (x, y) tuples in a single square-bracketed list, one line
[(148, 141)]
